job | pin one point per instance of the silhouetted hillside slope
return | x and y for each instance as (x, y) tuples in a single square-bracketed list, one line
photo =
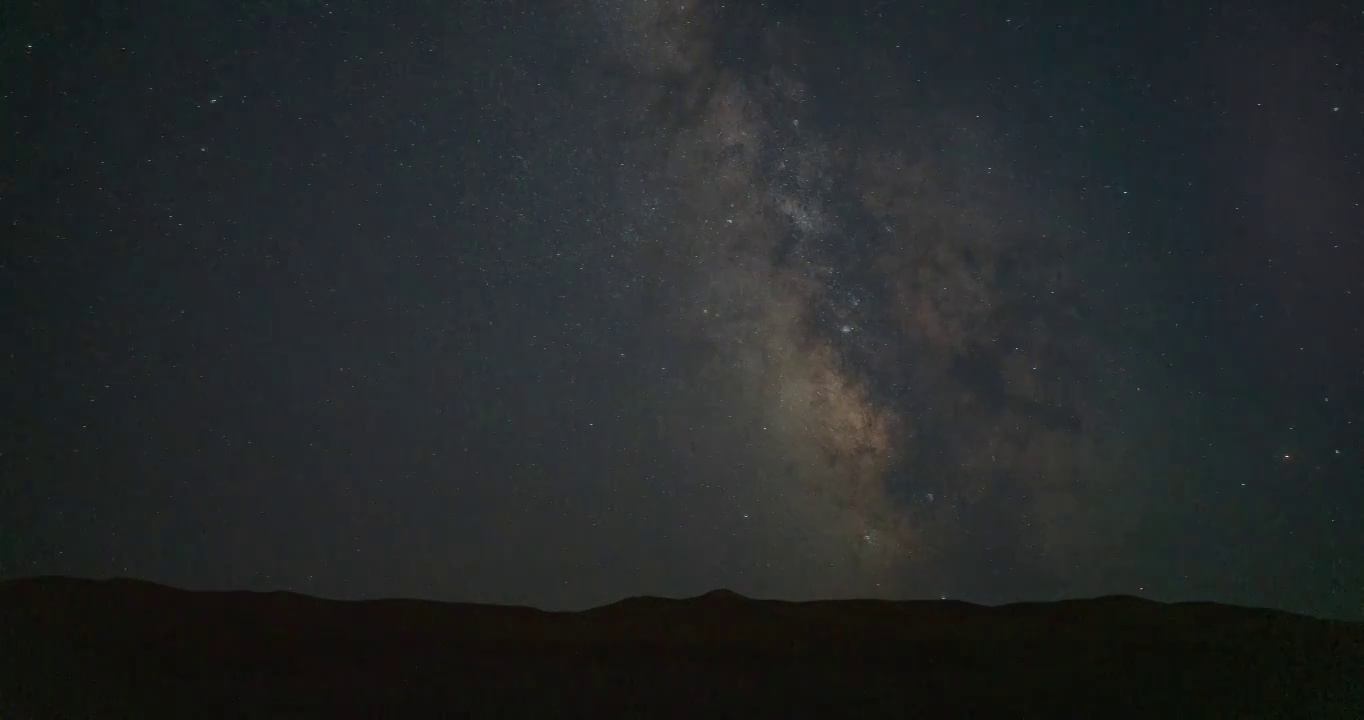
[(120, 648)]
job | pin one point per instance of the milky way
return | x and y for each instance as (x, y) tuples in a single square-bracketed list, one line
[(878, 321)]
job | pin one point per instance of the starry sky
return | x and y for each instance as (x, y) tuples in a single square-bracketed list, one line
[(556, 302)]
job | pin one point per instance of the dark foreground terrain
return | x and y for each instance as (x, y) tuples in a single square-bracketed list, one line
[(83, 648)]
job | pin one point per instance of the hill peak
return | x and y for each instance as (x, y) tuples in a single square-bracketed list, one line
[(721, 595)]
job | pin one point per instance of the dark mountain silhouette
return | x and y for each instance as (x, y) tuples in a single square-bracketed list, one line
[(122, 648)]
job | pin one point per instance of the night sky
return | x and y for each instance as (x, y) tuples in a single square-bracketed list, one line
[(556, 302)]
